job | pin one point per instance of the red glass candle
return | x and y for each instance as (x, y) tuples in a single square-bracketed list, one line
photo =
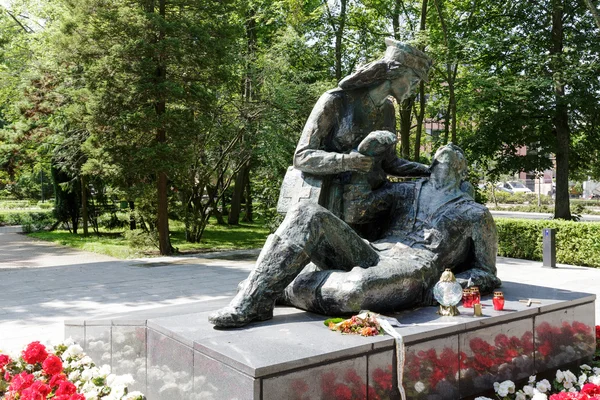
[(467, 303), (498, 301), (476, 296)]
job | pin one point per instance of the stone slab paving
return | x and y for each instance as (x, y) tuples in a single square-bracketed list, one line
[(41, 284)]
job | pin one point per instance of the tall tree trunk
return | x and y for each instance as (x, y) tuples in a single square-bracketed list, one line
[(84, 208), (405, 125), (339, 34), (561, 115), (422, 101), (248, 213), (452, 107), (594, 12), (164, 242), (132, 223), (236, 199), (396, 19)]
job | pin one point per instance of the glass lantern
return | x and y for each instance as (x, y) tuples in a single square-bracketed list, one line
[(448, 293)]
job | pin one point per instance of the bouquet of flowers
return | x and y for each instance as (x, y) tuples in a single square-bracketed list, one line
[(61, 373), (364, 324)]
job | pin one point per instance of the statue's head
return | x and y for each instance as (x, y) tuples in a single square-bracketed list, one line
[(400, 61), (450, 160)]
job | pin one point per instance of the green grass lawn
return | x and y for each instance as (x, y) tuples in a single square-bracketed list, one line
[(215, 238)]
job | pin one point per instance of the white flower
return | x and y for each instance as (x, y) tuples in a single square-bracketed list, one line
[(595, 379), (520, 396), (73, 376), (596, 371), (72, 351), (570, 377), (496, 386), (560, 376), (532, 379), (104, 370), (505, 388), (585, 367), (528, 390), (538, 395), (419, 386), (543, 386), (136, 396), (482, 398), (582, 379)]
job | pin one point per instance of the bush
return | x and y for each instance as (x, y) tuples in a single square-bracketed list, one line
[(517, 198), (116, 220), (140, 239), (577, 243)]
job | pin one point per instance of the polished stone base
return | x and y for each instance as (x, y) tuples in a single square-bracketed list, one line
[(174, 353)]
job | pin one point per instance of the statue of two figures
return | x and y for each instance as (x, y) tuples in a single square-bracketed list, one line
[(352, 240)]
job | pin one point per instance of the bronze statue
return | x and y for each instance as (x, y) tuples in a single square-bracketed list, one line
[(317, 262), (319, 259)]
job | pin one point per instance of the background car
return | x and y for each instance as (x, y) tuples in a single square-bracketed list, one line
[(513, 187)]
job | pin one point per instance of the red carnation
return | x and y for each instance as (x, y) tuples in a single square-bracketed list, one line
[(52, 365), (66, 387), (35, 353), (21, 381)]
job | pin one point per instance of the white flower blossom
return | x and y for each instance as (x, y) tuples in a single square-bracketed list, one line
[(531, 379), (585, 367), (520, 396), (537, 395), (528, 389), (504, 388), (482, 398), (543, 386), (560, 376), (582, 379)]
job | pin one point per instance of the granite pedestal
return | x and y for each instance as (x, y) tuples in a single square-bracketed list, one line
[(174, 353)]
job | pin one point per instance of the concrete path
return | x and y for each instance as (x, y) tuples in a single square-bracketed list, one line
[(41, 285)]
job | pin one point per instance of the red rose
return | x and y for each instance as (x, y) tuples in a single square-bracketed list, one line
[(56, 379), (66, 387), (35, 352), (62, 397), (7, 377), (52, 365), (21, 381), (77, 396)]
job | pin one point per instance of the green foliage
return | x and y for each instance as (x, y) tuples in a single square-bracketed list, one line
[(137, 244), (31, 221), (141, 240), (518, 198), (577, 243)]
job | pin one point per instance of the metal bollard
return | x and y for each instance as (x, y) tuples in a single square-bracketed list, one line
[(549, 250)]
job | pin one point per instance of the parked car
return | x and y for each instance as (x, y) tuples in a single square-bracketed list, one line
[(513, 187)]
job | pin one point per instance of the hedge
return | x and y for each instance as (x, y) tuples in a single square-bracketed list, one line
[(30, 221), (577, 243)]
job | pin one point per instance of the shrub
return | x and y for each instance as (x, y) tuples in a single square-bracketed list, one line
[(140, 239), (577, 243)]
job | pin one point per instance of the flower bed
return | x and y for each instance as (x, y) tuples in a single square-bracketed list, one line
[(583, 385), (61, 373)]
